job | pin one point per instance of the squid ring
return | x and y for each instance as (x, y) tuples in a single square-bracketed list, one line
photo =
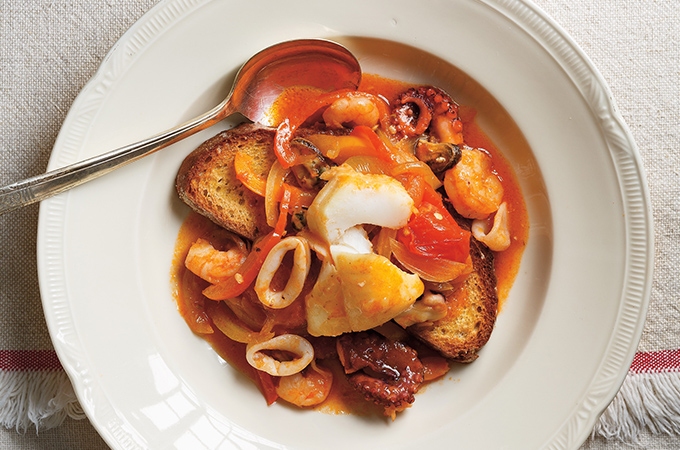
[(302, 259), (300, 347)]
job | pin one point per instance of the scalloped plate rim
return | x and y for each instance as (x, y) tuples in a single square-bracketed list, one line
[(641, 235)]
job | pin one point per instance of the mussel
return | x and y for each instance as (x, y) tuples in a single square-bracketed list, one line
[(312, 164), (440, 156)]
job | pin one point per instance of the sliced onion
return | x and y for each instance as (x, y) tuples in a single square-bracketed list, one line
[(431, 269), (434, 367), (418, 168), (248, 310), (368, 164), (232, 327), (191, 303), (382, 242), (400, 155), (442, 287), (340, 148), (273, 192)]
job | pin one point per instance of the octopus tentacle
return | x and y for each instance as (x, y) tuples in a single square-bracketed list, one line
[(386, 372), (426, 107)]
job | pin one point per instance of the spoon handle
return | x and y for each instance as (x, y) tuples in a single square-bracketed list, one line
[(38, 188)]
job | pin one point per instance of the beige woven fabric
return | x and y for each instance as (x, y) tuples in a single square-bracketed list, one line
[(49, 49), (636, 47)]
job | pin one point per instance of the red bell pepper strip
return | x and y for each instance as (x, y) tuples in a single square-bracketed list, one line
[(266, 384), (299, 198), (284, 132), (243, 165), (246, 274), (381, 151)]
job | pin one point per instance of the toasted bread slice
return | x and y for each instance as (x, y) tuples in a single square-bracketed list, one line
[(472, 310), (207, 181)]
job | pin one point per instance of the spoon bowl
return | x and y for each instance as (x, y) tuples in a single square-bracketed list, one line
[(316, 63), (312, 62)]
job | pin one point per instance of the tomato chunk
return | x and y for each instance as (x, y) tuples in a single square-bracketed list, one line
[(433, 232)]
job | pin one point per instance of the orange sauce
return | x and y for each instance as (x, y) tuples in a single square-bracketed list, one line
[(343, 398), (196, 226), (383, 87), (506, 262), (290, 100), (187, 287)]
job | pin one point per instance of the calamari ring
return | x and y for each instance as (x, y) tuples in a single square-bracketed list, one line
[(498, 238), (302, 259), (297, 345)]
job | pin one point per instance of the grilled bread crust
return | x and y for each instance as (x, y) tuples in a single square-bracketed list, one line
[(206, 180), (473, 308)]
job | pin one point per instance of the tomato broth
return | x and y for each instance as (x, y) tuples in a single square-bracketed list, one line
[(343, 398)]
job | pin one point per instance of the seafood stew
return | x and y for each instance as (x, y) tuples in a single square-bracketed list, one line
[(380, 204)]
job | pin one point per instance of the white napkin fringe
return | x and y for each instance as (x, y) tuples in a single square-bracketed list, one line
[(645, 401), (44, 399), (39, 399)]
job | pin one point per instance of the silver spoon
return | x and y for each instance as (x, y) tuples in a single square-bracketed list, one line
[(311, 62)]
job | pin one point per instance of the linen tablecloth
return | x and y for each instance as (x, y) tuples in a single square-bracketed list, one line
[(49, 50)]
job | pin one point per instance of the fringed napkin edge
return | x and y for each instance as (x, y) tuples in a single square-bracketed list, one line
[(37, 399), (648, 399)]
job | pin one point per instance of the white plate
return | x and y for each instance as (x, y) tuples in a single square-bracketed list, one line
[(565, 338)]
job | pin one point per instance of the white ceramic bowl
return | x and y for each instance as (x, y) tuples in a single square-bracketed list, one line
[(566, 336)]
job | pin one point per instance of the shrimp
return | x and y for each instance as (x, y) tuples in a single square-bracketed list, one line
[(213, 265), (498, 239), (473, 188), (352, 111), (307, 388)]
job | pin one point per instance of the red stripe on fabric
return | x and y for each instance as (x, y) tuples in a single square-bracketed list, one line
[(29, 360), (656, 362)]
